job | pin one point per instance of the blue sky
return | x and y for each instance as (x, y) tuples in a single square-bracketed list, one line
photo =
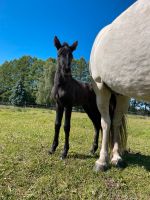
[(27, 27)]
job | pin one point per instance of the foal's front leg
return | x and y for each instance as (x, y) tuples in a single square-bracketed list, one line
[(59, 115), (68, 111)]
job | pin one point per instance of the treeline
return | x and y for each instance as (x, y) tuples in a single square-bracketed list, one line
[(29, 80)]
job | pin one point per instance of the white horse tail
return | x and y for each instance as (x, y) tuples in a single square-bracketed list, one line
[(123, 134)]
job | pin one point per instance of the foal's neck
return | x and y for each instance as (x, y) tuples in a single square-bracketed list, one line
[(61, 78)]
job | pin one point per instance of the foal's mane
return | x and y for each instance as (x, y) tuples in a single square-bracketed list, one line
[(65, 44)]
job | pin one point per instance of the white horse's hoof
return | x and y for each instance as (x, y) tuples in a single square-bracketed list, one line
[(120, 164), (100, 167)]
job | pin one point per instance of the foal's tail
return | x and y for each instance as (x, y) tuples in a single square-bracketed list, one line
[(122, 129)]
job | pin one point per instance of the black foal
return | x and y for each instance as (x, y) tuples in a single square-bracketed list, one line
[(69, 92)]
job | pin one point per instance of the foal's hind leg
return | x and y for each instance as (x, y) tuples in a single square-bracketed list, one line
[(95, 142), (68, 111), (59, 115), (120, 135), (93, 114)]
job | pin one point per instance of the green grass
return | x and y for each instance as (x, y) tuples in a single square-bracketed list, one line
[(28, 172)]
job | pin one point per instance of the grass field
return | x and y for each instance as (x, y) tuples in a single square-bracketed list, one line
[(28, 172)]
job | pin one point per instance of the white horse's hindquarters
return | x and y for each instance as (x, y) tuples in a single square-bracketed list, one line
[(121, 53)]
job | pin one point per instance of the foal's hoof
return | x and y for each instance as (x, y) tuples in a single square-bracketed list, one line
[(120, 164), (101, 167), (63, 156), (93, 150), (51, 151)]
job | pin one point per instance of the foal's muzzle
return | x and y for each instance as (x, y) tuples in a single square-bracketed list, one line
[(67, 70)]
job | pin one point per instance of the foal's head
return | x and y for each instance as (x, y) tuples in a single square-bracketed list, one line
[(65, 55)]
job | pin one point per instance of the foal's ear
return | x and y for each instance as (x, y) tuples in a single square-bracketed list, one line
[(74, 46), (57, 43)]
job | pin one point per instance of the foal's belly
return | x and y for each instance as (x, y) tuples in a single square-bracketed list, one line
[(73, 97)]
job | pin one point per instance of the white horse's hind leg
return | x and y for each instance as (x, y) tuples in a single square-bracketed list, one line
[(122, 104), (103, 95)]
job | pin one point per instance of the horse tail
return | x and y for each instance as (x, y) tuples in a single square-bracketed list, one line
[(123, 135)]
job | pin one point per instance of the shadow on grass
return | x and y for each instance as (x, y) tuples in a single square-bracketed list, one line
[(82, 156), (138, 159), (132, 158)]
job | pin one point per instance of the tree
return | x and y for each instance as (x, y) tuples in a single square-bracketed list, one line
[(139, 107), (46, 83), (30, 69), (19, 94), (86, 75), (6, 81), (80, 70)]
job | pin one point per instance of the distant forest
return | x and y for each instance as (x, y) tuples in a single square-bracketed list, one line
[(28, 82)]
